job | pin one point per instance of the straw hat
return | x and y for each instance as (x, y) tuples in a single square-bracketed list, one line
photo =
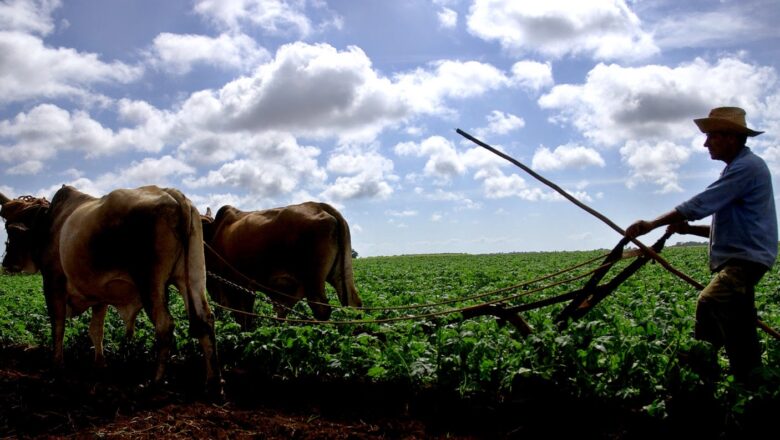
[(729, 119)]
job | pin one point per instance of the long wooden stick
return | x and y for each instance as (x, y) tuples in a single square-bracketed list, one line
[(648, 251), (590, 210)]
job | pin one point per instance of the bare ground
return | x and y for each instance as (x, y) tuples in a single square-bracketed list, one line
[(84, 402)]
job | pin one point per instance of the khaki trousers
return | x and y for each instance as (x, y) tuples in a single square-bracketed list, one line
[(726, 315)]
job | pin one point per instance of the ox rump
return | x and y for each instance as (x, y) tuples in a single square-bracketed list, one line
[(293, 250), (123, 250)]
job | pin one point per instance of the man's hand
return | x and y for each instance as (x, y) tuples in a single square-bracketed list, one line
[(679, 228), (640, 227)]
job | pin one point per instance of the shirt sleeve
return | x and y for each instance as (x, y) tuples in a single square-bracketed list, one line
[(729, 187)]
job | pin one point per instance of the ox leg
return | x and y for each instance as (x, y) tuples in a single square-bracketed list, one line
[(293, 292), (129, 315), (338, 284), (58, 338), (163, 329), (96, 332), (282, 309), (208, 343), (56, 306), (318, 301), (246, 303), (164, 332), (202, 328), (217, 292), (345, 288), (229, 296)]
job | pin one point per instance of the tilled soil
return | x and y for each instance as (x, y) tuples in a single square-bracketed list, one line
[(82, 401)]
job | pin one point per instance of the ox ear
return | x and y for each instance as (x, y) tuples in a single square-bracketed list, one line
[(3, 199)]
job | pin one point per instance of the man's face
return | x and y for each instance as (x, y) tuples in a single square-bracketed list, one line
[(723, 146)]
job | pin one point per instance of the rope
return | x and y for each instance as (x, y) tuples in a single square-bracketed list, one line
[(420, 316), (241, 288), (251, 282), (265, 288), (486, 294)]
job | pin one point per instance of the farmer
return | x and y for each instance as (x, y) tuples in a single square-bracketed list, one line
[(742, 238)]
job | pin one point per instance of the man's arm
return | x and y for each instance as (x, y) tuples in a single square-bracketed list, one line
[(642, 227), (685, 228)]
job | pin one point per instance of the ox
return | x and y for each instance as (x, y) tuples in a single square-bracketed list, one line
[(123, 250), (293, 250)]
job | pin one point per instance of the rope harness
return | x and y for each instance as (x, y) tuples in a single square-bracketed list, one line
[(493, 306)]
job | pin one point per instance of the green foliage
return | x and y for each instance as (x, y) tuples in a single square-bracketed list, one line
[(624, 351), (23, 318)]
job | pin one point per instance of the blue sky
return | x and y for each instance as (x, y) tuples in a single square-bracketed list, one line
[(264, 103)]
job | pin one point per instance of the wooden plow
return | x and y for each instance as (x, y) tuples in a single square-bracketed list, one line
[(581, 301), (649, 252)]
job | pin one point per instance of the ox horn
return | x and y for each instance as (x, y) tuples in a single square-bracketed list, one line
[(3, 199)]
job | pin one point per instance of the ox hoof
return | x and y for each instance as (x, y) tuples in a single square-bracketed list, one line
[(153, 391), (215, 391), (55, 375), (153, 386)]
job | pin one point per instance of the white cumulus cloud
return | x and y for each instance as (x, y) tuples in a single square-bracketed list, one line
[(47, 129), (28, 16), (566, 156), (178, 53), (277, 17), (443, 163), (268, 167), (312, 90), (602, 29), (427, 90), (655, 163), (617, 104), (361, 175), (502, 123), (448, 18), (532, 75), (29, 69)]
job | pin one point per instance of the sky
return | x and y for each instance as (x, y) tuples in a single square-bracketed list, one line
[(266, 103)]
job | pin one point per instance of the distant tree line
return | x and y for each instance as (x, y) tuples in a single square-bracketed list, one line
[(691, 243)]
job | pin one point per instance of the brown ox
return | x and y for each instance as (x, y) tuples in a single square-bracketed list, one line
[(293, 250), (123, 250)]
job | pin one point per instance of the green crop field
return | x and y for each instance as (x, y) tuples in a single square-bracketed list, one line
[(624, 351)]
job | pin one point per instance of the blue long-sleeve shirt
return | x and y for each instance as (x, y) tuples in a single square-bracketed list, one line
[(742, 205)]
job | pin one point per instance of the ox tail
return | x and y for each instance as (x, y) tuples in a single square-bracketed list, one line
[(341, 272), (194, 289), (190, 233)]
